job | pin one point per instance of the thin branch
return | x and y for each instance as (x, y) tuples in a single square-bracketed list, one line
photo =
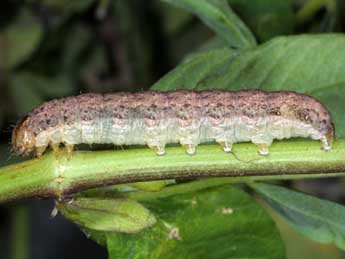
[(56, 176)]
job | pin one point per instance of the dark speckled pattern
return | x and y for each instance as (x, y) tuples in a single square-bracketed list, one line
[(188, 117)]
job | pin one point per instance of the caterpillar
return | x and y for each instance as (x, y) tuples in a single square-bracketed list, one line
[(185, 117)]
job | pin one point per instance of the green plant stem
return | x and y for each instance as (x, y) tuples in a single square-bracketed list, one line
[(56, 176)]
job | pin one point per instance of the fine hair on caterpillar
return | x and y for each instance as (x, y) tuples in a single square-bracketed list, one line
[(186, 117)]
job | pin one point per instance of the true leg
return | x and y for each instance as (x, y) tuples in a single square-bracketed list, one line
[(55, 148), (40, 151)]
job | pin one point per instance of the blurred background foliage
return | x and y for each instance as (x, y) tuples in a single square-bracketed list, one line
[(56, 48)]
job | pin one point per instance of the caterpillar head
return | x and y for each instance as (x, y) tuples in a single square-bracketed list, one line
[(23, 139)]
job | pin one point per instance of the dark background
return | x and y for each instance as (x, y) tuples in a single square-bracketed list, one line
[(56, 48)]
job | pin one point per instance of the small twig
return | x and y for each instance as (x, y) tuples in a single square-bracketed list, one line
[(40, 178)]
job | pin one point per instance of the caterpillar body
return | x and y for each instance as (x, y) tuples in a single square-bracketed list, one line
[(185, 117)]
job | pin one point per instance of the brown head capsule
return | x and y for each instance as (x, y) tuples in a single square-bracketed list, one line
[(23, 139)]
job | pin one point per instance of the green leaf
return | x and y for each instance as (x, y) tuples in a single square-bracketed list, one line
[(212, 44), (310, 64), (301, 63), (266, 18), (219, 222), (21, 37), (120, 215), (152, 186), (320, 220), (196, 70), (218, 15)]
